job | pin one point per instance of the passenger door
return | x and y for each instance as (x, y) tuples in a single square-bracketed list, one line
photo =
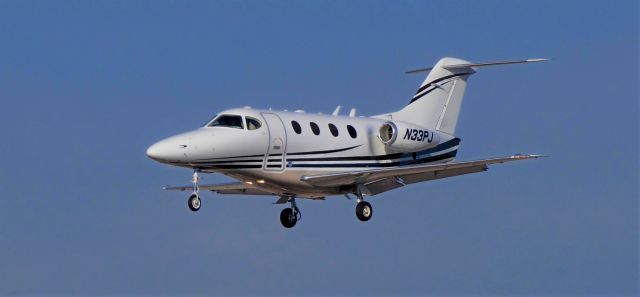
[(274, 160)]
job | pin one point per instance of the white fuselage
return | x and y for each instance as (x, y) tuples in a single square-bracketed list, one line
[(299, 155), (275, 156)]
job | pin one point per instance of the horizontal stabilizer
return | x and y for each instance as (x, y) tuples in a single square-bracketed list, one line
[(467, 65)]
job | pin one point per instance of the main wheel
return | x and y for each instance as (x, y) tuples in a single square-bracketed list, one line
[(194, 202), (288, 218), (364, 211)]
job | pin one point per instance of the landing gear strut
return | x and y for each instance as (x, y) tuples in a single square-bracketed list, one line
[(364, 211), (290, 216), (194, 200)]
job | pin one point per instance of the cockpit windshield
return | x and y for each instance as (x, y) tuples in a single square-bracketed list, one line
[(226, 120), (206, 124)]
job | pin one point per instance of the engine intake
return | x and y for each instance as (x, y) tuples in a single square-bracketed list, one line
[(407, 138)]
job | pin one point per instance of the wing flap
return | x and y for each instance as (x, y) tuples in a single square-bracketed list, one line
[(247, 191), (227, 188), (407, 174), (387, 184)]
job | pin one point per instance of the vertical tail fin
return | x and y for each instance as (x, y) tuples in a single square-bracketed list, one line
[(436, 104)]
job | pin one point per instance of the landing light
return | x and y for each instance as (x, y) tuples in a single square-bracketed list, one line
[(249, 182), (260, 181)]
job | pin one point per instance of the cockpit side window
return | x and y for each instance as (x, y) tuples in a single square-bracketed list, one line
[(226, 120), (253, 124)]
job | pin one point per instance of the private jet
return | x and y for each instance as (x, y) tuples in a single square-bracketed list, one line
[(297, 155)]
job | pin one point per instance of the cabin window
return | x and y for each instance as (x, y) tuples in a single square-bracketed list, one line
[(296, 127), (314, 128), (333, 129), (253, 124), (352, 131), (230, 121)]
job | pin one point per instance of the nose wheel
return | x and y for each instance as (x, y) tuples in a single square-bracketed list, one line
[(290, 216), (194, 200)]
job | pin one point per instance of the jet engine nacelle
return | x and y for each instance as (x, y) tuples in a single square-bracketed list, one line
[(407, 138)]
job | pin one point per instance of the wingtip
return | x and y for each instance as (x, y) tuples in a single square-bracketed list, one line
[(528, 156), (541, 156)]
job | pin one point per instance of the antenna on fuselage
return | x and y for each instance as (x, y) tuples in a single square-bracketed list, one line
[(337, 110), (352, 113)]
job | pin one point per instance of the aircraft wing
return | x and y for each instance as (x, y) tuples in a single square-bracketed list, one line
[(227, 188), (376, 181)]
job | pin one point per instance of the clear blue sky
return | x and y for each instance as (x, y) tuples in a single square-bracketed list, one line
[(86, 86)]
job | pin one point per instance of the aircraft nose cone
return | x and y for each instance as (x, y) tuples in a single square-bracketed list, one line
[(176, 149), (160, 151), (155, 151), (168, 150)]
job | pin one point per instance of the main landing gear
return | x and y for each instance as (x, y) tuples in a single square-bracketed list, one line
[(364, 211), (290, 216), (194, 200)]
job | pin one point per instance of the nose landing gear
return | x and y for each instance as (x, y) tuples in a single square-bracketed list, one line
[(290, 216), (194, 200)]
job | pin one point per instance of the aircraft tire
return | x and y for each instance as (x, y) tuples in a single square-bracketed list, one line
[(364, 211), (287, 218), (194, 202)]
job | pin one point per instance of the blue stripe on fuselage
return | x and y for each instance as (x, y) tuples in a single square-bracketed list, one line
[(425, 156)]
